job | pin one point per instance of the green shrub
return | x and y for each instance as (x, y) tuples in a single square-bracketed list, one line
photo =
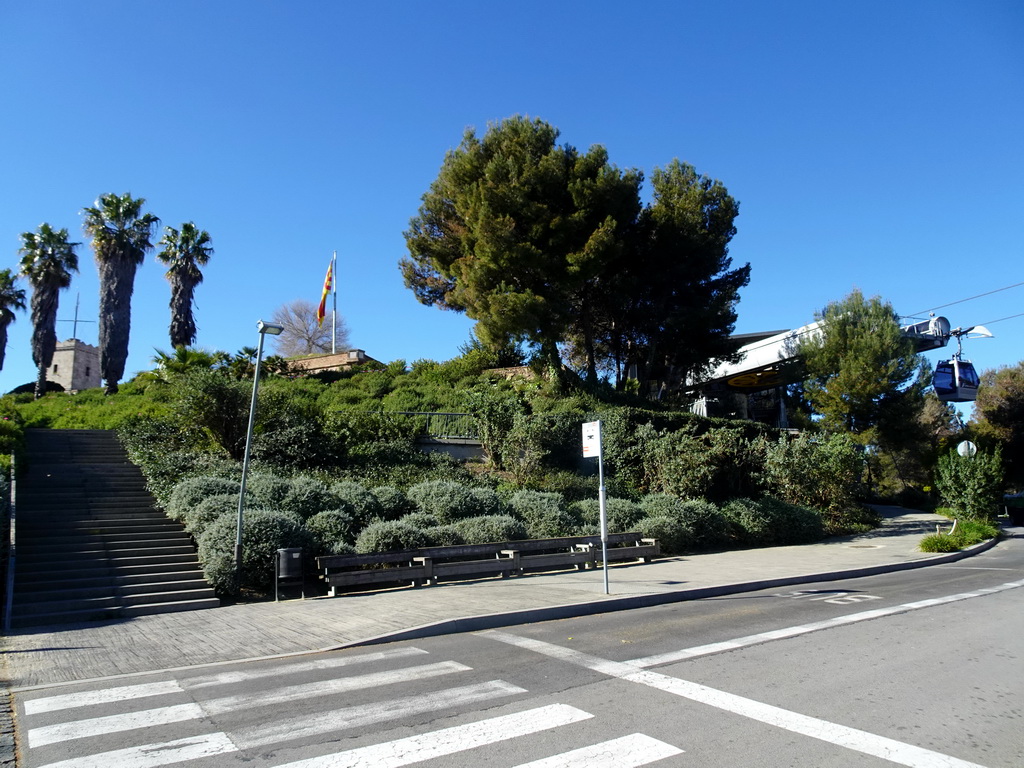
[(623, 514), (971, 485), (267, 489), (491, 528), (446, 500), (444, 535), (394, 504), (306, 496), (363, 504), (709, 528), (330, 529), (199, 517), (966, 533), (390, 536), (263, 533), (544, 514), (821, 471), (940, 542), (191, 491), (772, 521), (419, 520), (674, 536)]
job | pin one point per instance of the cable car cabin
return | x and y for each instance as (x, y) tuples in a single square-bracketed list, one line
[(955, 381)]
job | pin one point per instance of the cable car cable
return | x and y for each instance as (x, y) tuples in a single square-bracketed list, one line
[(971, 298)]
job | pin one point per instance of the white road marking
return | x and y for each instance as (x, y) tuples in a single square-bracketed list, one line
[(153, 755), (96, 726), (625, 752), (104, 696), (241, 676), (850, 738), (803, 629), (372, 714), (448, 741), (330, 687)]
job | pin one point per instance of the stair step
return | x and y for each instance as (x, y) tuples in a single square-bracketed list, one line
[(151, 609)]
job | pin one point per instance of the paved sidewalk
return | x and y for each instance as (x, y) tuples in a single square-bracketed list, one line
[(169, 641)]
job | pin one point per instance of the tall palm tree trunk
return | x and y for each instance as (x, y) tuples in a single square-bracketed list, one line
[(117, 277), (44, 334)]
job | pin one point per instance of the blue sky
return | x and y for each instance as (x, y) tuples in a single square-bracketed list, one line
[(871, 145)]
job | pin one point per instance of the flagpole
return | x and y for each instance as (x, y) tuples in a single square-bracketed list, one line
[(334, 308)]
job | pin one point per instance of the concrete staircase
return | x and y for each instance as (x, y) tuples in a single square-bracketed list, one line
[(91, 545)]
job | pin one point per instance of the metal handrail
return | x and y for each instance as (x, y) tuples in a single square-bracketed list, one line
[(11, 551), (444, 426)]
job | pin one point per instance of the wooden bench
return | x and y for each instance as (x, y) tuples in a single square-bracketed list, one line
[(428, 565)]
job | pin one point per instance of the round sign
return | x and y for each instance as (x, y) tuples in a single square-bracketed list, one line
[(967, 449)]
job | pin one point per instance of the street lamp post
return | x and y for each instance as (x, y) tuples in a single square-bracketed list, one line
[(264, 329)]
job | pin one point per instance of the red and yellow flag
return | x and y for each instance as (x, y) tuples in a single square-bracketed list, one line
[(321, 311)]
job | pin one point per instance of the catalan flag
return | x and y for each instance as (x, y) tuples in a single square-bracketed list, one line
[(321, 311)]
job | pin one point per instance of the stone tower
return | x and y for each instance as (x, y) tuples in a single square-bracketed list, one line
[(75, 366)]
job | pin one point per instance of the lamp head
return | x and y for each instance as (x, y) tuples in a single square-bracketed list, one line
[(269, 328)]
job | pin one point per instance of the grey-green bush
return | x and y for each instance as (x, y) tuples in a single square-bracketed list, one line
[(198, 518), (673, 535), (365, 507), (331, 528), (263, 533), (390, 536), (487, 502), (545, 514), (267, 490), (772, 521), (446, 500), (394, 504), (489, 529), (709, 528), (307, 496), (623, 514), (444, 535), (190, 491)]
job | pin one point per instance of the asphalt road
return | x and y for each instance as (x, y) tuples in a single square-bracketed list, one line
[(921, 668)]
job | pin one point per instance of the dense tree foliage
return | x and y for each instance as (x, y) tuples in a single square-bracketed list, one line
[(999, 417), (184, 251), (543, 244), (862, 375), (47, 260), (11, 298), (121, 236)]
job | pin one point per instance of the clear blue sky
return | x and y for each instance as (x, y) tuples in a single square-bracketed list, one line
[(875, 145)]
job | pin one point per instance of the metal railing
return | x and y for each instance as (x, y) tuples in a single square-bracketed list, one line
[(442, 426)]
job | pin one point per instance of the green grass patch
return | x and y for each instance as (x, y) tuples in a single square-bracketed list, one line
[(967, 533)]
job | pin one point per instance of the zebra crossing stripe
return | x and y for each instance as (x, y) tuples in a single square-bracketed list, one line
[(105, 696), (372, 714), (153, 755), (448, 741), (242, 676), (328, 687), (625, 752), (803, 629), (97, 726), (832, 733)]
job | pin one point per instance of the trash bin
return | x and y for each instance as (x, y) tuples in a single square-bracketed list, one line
[(289, 563)]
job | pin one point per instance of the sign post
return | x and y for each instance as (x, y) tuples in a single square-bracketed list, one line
[(592, 448)]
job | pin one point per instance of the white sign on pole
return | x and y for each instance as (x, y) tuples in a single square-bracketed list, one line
[(592, 439)]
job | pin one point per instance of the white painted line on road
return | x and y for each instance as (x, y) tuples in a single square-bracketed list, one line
[(840, 735), (373, 714), (802, 629), (329, 687), (104, 696), (626, 752), (448, 741), (242, 676), (153, 755), (97, 726)]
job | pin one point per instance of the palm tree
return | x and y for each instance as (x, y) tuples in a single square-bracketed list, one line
[(47, 260), (121, 236), (11, 298), (184, 252)]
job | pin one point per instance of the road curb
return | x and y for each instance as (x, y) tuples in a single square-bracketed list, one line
[(612, 604)]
